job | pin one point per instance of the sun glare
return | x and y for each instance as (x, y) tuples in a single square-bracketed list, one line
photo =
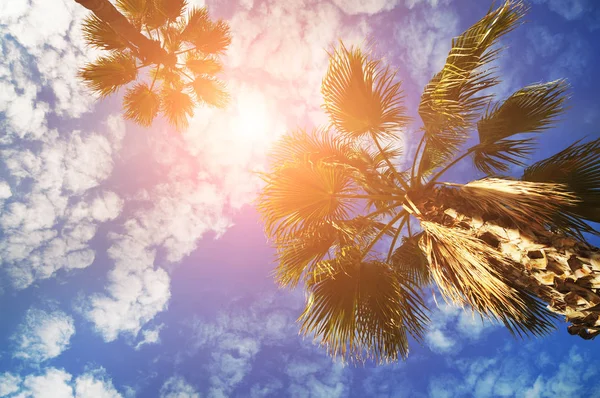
[(251, 122)]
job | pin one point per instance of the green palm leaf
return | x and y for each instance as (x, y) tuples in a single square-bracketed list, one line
[(210, 91), (361, 96), (177, 107), (107, 74), (578, 168), (99, 34), (468, 271), (452, 100), (360, 310), (141, 104), (531, 109)]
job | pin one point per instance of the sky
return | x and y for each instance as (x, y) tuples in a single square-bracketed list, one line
[(133, 262)]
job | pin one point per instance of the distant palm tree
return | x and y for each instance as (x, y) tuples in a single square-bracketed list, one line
[(336, 203), (167, 59)]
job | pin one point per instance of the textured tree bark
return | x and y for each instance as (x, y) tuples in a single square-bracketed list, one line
[(149, 50), (560, 270)]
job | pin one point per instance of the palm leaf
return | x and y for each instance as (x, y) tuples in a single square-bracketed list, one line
[(410, 262), (301, 194), (203, 66), (170, 9), (133, 9), (360, 310), (169, 76), (107, 74), (212, 38), (141, 104), (99, 34), (210, 91), (523, 202), (452, 100), (468, 272), (197, 19), (361, 96), (578, 168), (177, 107), (171, 35), (317, 145), (531, 109)]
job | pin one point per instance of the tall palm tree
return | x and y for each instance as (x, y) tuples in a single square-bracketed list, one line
[(166, 57), (341, 211)]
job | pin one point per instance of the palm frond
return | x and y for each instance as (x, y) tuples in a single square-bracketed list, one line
[(578, 168), (213, 38), (169, 76), (360, 310), (452, 100), (133, 9), (210, 91), (409, 261), (317, 145), (141, 104), (177, 107), (153, 17), (531, 109), (171, 9), (171, 37), (107, 74), (495, 156), (468, 272), (304, 193), (99, 34), (523, 202), (197, 19), (361, 96), (203, 66)]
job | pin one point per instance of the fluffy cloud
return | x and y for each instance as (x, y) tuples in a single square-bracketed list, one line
[(57, 383), (43, 335), (150, 336), (568, 9), (365, 6), (9, 383), (177, 387)]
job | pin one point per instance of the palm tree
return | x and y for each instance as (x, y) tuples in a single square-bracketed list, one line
[(341, 211), (167, 59)]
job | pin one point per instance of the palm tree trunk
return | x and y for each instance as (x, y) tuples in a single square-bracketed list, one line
[(149, 50), (559, 270)]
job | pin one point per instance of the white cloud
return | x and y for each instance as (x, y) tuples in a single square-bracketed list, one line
[(150, 336), (353, 7), (43, 335), (177, 387), (9, 383), (568, 9), (57, 383)]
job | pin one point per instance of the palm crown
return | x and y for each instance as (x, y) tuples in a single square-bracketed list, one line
[(341, 212), (173, 84)]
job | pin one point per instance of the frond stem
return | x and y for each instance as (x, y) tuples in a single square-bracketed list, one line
[(372, 197), (396, 236), (439, 174), (412, 169), (382, 232), (390, 165)]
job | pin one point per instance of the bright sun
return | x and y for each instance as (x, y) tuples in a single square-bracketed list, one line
[(251, 122)]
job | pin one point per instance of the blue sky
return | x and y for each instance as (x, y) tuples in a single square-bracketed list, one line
[(132, 262)]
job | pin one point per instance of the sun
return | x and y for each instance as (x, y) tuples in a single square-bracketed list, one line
[(251, 122)]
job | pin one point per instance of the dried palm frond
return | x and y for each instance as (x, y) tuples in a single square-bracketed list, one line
[(99, 34), (523, 202), (177, 107), (360, 310), (361, 96), (304, 193), (210, 91), (468, 272), (531, 109), (578, 168), (107, 74), (452, 99), (141, 104)]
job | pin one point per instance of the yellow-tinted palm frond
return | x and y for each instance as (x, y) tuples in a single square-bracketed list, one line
[(409, 261), (171, 35), (177, 107), (211, 38), (203, 66), (301, 194), (197, 19), (99, 34), (469, 272), (133, 9), (578, 168), (452, 100), (361, 96), (524, 202), (171, 9), (107, 74), (360, 310), (531, 109), (210, 91), (495, 156), (316, 145), (141, 104), (169, 76)]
